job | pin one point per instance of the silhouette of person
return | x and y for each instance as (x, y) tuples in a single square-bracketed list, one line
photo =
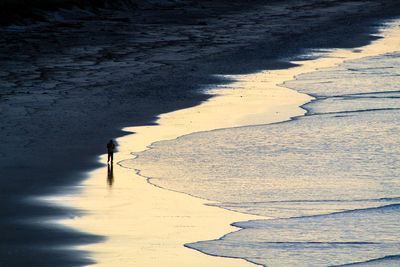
[(110, 149)]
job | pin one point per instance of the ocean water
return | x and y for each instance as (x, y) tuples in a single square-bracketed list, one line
[(327, 183)]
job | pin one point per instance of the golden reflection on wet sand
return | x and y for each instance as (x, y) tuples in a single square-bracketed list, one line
[(148, 226)]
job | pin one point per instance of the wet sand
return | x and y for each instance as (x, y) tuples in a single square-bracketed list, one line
[(148, 226), (70, 85)]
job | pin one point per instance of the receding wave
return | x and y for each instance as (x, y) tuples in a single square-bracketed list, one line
[(316, 158), (334, 239), (388, 209), (390, 260)]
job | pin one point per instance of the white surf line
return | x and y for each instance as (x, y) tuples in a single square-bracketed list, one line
[(148, 226)]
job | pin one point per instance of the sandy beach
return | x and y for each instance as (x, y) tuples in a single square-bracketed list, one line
[(71, 84)]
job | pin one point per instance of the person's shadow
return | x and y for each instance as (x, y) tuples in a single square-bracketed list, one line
[(110, 174)]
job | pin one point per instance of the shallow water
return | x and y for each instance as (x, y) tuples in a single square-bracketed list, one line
[(330, 178)]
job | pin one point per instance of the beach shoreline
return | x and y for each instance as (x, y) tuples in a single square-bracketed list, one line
[(169, 219), (60, 102), (146, 224)]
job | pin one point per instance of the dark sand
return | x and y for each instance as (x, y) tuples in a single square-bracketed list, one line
[(69, 85)]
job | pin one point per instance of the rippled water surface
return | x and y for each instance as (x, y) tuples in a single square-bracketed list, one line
[(329, 180)]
